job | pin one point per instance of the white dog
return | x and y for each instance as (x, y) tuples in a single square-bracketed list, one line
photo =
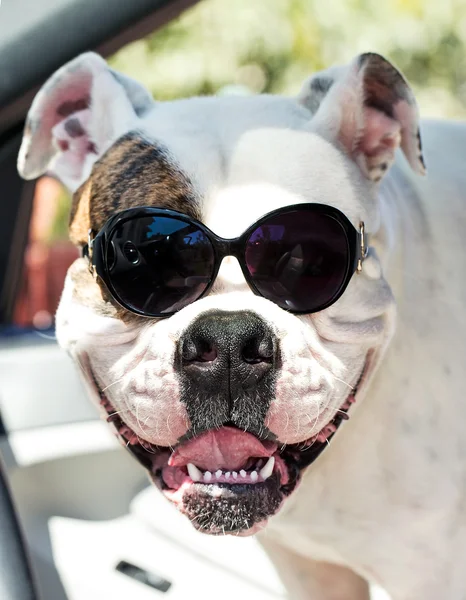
[(270, 342)]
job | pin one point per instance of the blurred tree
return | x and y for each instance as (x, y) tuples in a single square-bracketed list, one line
[(272, 45)]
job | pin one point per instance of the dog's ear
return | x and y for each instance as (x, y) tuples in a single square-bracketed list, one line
[(77, 114), (369, 110)]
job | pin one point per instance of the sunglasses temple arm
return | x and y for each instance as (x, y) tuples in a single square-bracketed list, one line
[(87, 252), (363, 245)]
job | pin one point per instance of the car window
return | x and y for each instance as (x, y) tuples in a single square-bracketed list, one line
[(47, 257)]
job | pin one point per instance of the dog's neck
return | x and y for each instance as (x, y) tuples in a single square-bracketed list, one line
[(418, 261), (425, 271), (403, 240)]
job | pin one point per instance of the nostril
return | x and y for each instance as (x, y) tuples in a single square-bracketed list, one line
[(199, 351), (207, 353), (257, 351)]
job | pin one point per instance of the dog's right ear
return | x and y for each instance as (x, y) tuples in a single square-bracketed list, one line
[(75, 117), (368, 110)]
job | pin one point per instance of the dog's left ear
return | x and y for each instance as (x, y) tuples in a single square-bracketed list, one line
[(75, 117), (369, 110)]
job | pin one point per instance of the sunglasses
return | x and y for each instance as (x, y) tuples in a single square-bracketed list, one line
[(156, 261)]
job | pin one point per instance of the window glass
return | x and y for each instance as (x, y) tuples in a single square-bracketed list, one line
[(47, 258)]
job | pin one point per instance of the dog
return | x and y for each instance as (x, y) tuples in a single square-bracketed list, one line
[(269, 311)]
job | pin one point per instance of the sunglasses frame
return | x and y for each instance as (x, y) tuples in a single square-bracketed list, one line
[(96, 249)]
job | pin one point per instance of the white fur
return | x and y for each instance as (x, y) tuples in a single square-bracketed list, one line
[(386, 499)]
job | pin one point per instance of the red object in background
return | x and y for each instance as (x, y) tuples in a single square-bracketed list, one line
[(45, 263)]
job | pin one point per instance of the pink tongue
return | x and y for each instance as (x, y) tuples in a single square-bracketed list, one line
[(225, 448)]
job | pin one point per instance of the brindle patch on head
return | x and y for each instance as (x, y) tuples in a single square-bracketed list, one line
[(80, 215), (133, 172)]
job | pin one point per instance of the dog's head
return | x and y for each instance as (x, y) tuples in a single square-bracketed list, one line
[(227, 400)]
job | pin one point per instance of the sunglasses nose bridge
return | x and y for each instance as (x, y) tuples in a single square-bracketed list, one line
[(225, 248), (230, 271)]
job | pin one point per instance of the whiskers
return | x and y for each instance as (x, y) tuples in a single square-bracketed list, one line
[(348, 385), (112, 384), (112, 416)]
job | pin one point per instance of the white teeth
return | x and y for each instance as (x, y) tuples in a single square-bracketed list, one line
[(267, 469), (265, 472), (194, 472)]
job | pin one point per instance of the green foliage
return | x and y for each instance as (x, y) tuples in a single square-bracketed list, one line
[(59, 229), (272, 45)]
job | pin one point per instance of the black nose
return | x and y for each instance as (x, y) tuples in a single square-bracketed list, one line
[(234, 346), (227, 363)]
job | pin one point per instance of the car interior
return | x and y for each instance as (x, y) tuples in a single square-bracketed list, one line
[(78, 518)]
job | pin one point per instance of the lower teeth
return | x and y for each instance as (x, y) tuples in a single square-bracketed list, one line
[(253, 476)]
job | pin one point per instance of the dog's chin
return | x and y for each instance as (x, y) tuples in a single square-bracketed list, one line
[(224, 508)]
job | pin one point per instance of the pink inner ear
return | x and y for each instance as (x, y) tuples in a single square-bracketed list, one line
[(381, 133), (66, 94), (71, 137), (64, 98)]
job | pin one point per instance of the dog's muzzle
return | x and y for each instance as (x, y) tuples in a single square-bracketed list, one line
[(228, 473)]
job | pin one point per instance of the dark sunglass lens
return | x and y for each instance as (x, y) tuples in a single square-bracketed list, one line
[(299, 260), (159, 264)]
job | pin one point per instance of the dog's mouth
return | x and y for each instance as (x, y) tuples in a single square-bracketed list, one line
[(227, 480)]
